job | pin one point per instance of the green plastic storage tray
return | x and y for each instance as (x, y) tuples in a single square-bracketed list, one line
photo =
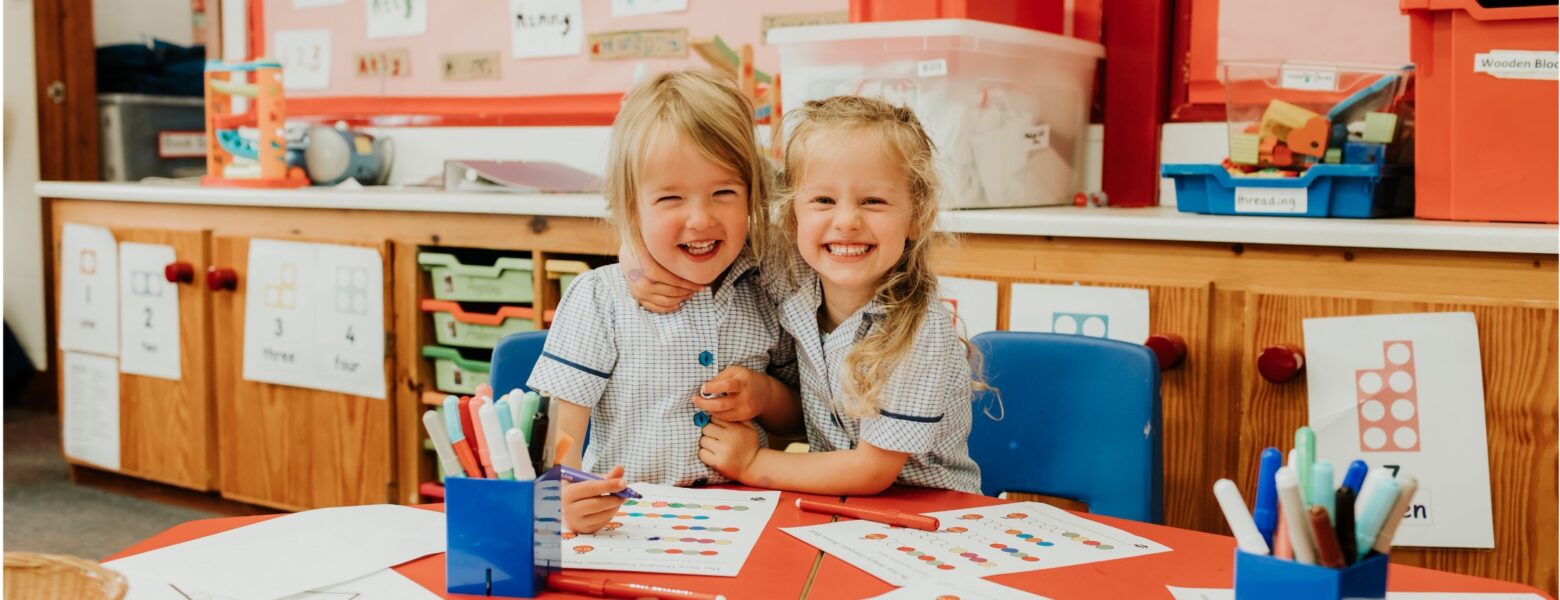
[(453, 373), (453, 326), (506, 280)]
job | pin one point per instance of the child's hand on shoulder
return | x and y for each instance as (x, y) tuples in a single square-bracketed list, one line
[(743, 398), (655, 288), (587, 507), (729, 447)]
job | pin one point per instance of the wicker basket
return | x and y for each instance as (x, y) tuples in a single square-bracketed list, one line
[(30, 575)]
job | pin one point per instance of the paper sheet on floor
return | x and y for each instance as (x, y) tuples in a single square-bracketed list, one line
[(1180, 593), (978, 542), (676, 530), (291, 554), (959, 588)]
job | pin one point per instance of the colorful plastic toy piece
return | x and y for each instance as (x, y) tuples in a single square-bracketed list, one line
[(1281, 117), (266, 156), (1334, 156), (1380, 127), (1310, 139), (1244, 148)]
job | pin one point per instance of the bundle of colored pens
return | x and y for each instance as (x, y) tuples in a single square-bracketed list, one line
[(486, 439), (1302, 517)]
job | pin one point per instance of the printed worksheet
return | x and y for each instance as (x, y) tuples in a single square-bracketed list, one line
[(675, 530), (978, 542)]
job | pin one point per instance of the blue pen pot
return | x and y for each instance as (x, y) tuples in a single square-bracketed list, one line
[(1263, 577), (504, 537)]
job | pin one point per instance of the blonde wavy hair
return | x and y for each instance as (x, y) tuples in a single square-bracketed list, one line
[(909, 289), (708, 111)]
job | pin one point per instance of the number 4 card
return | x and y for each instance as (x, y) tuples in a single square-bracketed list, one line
[(1406, 393)]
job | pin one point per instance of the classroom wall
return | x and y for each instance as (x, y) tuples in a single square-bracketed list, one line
[(23, 217), (131, 21)]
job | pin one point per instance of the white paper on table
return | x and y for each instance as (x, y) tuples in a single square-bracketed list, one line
[(973, 303), (1407, 391), (149, 317), (349, 326), (92, 409), (976, 542), (1102, 312), (624, 8), (381, 585), (278, 317), (713, 541), (293, 553), (89, 290), (543, 28), (961, 588), (396, 18), (305, 58), (1180, 593)]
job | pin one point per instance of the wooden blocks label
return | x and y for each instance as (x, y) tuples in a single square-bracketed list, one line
[(469, 66)]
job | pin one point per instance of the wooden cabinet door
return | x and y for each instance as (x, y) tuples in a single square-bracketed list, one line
[(1518, 346), (289, 447), (1181, 308), (167, 428)]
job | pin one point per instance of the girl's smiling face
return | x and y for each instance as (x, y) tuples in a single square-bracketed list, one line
[(693, 212), (853, 210)]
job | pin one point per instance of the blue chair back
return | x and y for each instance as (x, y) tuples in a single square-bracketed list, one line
[(513, 359), (1078, 418)]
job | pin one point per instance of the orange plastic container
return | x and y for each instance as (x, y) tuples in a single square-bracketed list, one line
[(1486, 108), (1044, 15)]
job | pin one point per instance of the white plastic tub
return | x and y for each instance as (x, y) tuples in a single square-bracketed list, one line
[(1008, 107)]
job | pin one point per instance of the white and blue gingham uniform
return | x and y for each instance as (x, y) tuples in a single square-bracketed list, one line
[(638, 371), (926, 402)]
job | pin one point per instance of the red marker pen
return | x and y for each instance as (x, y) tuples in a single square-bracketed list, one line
[(886, 516), (607, 588)]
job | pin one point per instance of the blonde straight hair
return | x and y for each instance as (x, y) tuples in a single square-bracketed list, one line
[(703, 108), (909, 289)]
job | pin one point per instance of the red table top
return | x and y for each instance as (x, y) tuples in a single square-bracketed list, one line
[(780, 565)]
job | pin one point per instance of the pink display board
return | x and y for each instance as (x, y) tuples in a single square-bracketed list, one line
[(461, 26)]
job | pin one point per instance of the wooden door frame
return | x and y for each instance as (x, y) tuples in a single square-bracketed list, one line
[(64, 51)]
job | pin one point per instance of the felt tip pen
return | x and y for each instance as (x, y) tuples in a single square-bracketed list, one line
[(1295, 522), (607, 588), (1368, 523), (484, 454), (484, 391), (1355, 476), (1305, 455), (1265, 511), (1407, 485), (506, 419), (442, 445), (886, 516), (498, 449), (452, 420), (1322, 491), (573, 475), (1362, 495), (1327, 548), (1246, 535), (1343, 522), (525, 420), (524, 470)]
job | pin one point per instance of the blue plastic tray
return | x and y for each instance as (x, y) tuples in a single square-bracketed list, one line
[(1324, 190)]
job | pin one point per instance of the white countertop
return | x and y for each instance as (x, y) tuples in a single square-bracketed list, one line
[(1158, 223)]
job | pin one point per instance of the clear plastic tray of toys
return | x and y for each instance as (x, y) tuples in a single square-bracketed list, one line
[(1286, 116)]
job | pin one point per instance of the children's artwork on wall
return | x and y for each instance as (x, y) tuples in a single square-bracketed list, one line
[(1406, 393), (89, 290), (973, 303), (628, 8), (396, 18), (978, 542), (675, 530), (91, 412), (305, 58), (543, 28), (149, 317), (1090, 311), (314, 317)]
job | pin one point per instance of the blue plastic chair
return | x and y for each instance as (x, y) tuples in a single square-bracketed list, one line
[(1078, 418), (513, 359)]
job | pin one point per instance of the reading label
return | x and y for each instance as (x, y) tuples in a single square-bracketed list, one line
[(1308, 78), (931, 68), (1271, 200)]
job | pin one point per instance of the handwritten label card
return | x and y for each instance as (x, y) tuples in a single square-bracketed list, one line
[(91, 419), (376, 64), (470, 66), (89, 290), (149, 317), (305, 58), (396, 18), (314, 317), (633, 45), (543, 28)]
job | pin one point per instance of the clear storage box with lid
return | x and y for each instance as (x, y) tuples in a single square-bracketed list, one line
[(1007, 107)]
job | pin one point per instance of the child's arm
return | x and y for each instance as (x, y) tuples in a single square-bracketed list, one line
[(572, 419), (587, 507), (749, 394), (657, 289), (732, 449)]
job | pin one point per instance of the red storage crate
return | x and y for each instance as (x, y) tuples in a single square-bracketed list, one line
[(1486, 108)]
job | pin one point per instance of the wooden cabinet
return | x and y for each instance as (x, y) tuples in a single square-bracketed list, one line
[(290, 447), (166, 433), (1518, 348)]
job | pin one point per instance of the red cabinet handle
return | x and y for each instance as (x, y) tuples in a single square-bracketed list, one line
[(1280, 363), (179, 272), (221, 279), (1169, 347)]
